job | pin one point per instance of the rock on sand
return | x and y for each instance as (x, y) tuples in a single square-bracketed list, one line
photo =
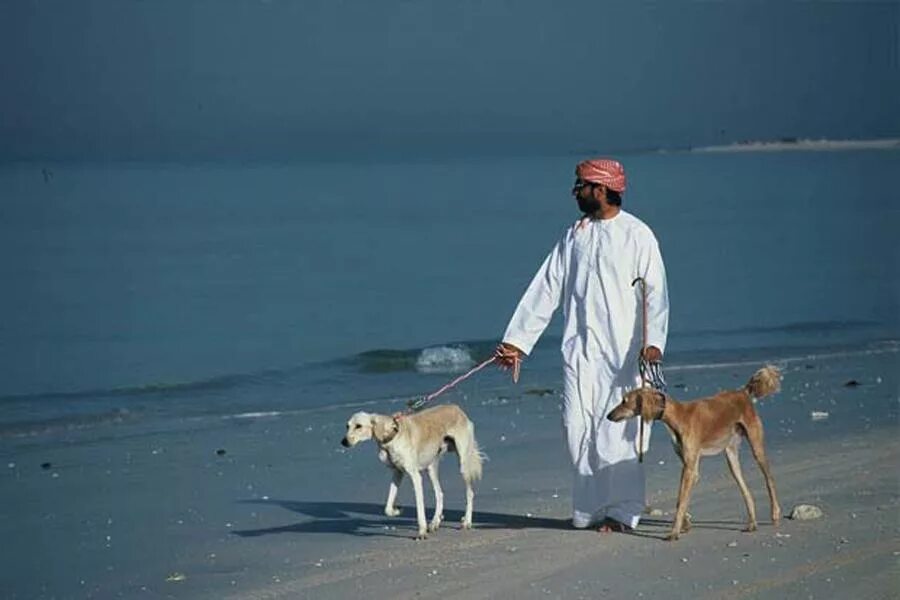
[(806, 512)]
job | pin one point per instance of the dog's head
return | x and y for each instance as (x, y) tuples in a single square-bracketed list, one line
[(359, 429), (364, 426), (646, 402)]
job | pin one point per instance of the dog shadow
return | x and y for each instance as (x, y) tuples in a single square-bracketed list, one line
[(368, 520), (658, 529)]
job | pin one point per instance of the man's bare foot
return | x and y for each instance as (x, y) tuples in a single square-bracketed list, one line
[(613, 526)]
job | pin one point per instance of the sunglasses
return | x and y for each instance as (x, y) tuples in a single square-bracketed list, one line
[(580, 184)]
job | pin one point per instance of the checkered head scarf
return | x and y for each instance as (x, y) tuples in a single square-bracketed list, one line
[(604, 171)]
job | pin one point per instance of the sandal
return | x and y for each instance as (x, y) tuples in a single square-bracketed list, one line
[(613, 526)]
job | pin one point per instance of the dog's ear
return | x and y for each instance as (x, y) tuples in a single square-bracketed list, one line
[(650, 403), (384, 427), (659, 403)]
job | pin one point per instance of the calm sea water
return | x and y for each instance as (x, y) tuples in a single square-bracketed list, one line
[(165, 289)]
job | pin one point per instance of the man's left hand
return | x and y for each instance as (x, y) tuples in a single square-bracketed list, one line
[(652, 354)]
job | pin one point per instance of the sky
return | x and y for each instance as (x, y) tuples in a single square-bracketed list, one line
[(277, 79)]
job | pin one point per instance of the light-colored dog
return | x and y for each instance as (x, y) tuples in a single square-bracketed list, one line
[(410, 443), (705, 427)]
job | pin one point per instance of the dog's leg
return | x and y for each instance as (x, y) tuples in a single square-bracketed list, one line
[(438, 497), (390, 508), (755, 437), (416, 478), (689, 475), (465, 443), (470, 496), (734, 465)]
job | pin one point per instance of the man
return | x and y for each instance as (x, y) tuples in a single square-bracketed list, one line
[(590, 271)]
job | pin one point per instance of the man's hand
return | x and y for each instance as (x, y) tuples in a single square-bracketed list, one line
[(509, 357), (652, 354)]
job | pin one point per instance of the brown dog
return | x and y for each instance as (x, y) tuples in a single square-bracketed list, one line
[(705, 427)]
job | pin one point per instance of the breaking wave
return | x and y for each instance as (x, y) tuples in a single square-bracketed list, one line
[(449, 358)]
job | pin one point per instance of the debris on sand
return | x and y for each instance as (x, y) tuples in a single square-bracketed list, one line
[(818, 415), (806, 512), (851, 383)]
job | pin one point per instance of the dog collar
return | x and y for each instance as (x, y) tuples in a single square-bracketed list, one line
[(396, 431)]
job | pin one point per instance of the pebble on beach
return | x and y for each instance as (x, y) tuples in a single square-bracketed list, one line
[(818, 415), (221, 451), (805, 512)]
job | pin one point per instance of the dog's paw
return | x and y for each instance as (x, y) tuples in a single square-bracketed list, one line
[(392, 511), (466, 523), (434, 525), (671, 537), (750, 528), (422, 535)]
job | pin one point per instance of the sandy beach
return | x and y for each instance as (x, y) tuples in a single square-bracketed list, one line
[(272, 507)]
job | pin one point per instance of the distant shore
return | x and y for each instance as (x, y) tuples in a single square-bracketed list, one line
[(802, 144)]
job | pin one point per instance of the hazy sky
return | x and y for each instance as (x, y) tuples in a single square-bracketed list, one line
[(108, 79)]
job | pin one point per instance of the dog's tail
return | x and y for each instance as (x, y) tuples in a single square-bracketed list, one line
[(471, 458), (764, 382)]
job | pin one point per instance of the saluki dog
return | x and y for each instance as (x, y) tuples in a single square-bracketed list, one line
[(705, 427), (410, 443)]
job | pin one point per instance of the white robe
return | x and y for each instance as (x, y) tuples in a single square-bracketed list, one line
[(590, 271)]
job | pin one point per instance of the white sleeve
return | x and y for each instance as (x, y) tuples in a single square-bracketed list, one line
[(652, 269), (539, 302)]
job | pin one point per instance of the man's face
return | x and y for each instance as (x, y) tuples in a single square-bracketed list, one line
[(584, 192)]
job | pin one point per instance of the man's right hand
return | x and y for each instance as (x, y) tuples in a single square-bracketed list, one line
[(509, 357)]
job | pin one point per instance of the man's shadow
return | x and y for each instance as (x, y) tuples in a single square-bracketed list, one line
[(367, 519)]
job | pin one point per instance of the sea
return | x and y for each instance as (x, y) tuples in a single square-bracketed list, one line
[(142, 296)]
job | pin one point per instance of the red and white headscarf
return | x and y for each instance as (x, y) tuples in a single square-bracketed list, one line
[(603, 170)]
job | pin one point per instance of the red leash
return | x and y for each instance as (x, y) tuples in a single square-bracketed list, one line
[(415, 405)]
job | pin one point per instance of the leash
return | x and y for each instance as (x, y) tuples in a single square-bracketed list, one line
[(651, 372), (418, 403)]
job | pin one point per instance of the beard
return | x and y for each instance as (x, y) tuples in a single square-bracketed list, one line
[(588, 205)]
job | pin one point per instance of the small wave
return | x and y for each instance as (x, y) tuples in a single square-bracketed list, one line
[(220, 382), (67, 423), (387, 361), (882, 347), (795, 327), (444, 359), (255, 415), (452, 357)]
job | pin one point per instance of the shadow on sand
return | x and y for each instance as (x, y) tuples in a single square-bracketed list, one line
[(366, 519), (658, 528)]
